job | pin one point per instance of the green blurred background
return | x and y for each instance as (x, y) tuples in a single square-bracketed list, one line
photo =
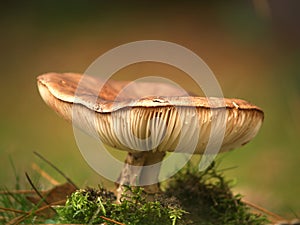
[(251, 46)]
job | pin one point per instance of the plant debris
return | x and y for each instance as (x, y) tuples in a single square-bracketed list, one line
[(190, 197), (58, 193)]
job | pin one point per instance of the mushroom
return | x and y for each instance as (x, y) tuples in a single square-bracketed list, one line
[(119, 120)]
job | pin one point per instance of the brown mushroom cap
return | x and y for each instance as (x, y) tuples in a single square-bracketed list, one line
[(117, 118)]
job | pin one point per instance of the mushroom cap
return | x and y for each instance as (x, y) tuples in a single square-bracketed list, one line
[(131, 121)]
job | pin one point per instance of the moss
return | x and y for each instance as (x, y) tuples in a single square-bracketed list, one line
[(90, 206), (208, 198), (191, 197)]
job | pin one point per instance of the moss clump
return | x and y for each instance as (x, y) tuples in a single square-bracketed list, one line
[(90, 206), (209, 200), (191, 197)]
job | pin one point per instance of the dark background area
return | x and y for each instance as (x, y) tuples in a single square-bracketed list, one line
[(251, 46)]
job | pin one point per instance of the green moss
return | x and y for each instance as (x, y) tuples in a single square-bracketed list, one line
[(191, 197), (90, 206), (209, 200)]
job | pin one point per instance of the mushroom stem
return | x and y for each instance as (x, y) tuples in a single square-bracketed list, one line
[(140, 166), (151, 170)]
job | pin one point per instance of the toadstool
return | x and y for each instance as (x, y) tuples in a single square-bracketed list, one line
[(243, 119)]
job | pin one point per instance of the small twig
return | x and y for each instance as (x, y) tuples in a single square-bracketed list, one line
[(37, 191), (111, 220), (45, 175), (12, 196), (3, 209), (18, 192), (54, 167), (48, 206), (259, 208), (19, 219)]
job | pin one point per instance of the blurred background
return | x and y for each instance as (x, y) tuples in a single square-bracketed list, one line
[(251, 46)]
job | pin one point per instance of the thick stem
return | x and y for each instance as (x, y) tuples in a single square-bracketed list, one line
[(150, 172), (141, 168)]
